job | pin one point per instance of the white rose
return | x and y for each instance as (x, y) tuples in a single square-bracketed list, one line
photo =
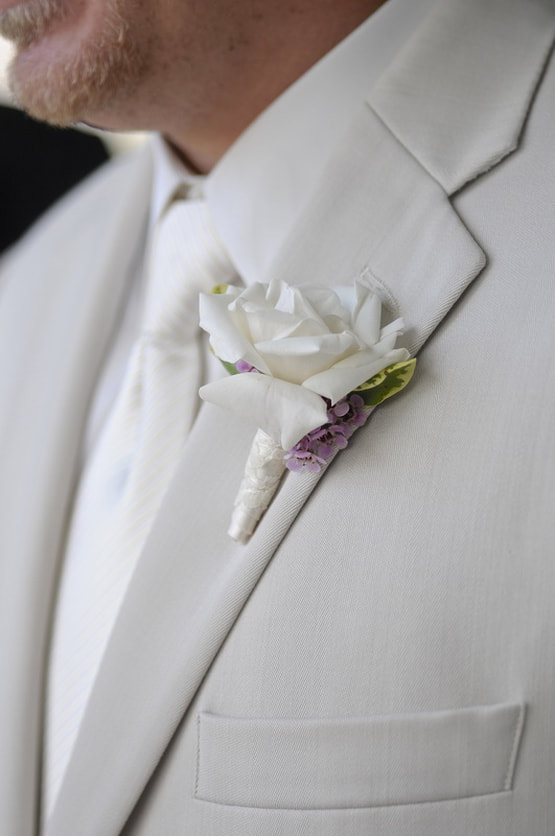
[(307, 344)]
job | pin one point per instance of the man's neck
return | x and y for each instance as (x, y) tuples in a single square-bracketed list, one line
[(263, 68)]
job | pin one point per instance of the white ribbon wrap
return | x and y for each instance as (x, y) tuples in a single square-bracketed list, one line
[(263, 472)]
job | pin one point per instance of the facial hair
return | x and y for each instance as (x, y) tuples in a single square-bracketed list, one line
[(86, 78), (26, 23)]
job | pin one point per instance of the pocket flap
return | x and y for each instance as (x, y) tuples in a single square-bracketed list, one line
[(369, 762)]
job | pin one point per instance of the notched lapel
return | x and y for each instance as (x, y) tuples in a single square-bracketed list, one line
[(379, 213), (459, 92)]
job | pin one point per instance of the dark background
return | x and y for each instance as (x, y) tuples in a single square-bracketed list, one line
[(38, 164)]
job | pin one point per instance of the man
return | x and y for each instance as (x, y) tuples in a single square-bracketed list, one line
[(378, 658)]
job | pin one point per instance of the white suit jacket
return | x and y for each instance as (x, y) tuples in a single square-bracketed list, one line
[(380, 658)]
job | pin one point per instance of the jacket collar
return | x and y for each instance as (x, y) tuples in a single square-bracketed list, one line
[(459, 92), (380, 210)]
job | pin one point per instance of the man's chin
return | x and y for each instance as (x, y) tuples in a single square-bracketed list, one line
[(43, 96), (62, 79)]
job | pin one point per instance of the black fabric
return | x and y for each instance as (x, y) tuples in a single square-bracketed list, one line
[(38, 164)]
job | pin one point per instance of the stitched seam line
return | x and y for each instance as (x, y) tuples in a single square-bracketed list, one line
[(382, 290), (451, 800), (197, 777), (514, 749)]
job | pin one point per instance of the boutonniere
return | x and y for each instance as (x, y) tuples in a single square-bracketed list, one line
[(307, 366)]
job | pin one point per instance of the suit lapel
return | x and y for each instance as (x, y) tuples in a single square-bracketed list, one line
[(57, 331), (459, 92), (381, 215), (379, 212), (187, 590)]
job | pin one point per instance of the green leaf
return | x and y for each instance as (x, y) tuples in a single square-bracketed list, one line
[(229, 367), (386, 383)]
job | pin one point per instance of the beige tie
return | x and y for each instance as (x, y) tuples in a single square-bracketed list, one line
[(129, 471)]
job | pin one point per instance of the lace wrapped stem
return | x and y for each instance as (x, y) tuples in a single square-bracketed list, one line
[(264, 469)]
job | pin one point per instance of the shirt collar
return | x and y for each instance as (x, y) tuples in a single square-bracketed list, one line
[(171, 176), (259, 185)]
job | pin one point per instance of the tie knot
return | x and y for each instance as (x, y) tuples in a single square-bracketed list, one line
[(187, 257)]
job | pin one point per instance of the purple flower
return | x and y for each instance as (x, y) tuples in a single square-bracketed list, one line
[(314, 450), (243, 366)]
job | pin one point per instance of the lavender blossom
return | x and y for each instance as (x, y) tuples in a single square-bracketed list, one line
[(315, 449)]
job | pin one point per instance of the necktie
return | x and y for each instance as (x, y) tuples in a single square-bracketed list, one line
[(124, 483)]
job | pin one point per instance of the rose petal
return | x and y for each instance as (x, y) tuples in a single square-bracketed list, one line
[(396, 327), (326, 302), (297, 358), (366, 316), (257, 294), (292, 301), (270, 324), (226, 338), (346, 375), (284, 410)]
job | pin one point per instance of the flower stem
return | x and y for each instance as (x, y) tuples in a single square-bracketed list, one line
[(263, 472)]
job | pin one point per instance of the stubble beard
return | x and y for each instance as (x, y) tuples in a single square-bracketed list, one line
[(76, 84)]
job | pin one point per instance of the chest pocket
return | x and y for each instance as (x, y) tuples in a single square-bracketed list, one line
[(318, 764)]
